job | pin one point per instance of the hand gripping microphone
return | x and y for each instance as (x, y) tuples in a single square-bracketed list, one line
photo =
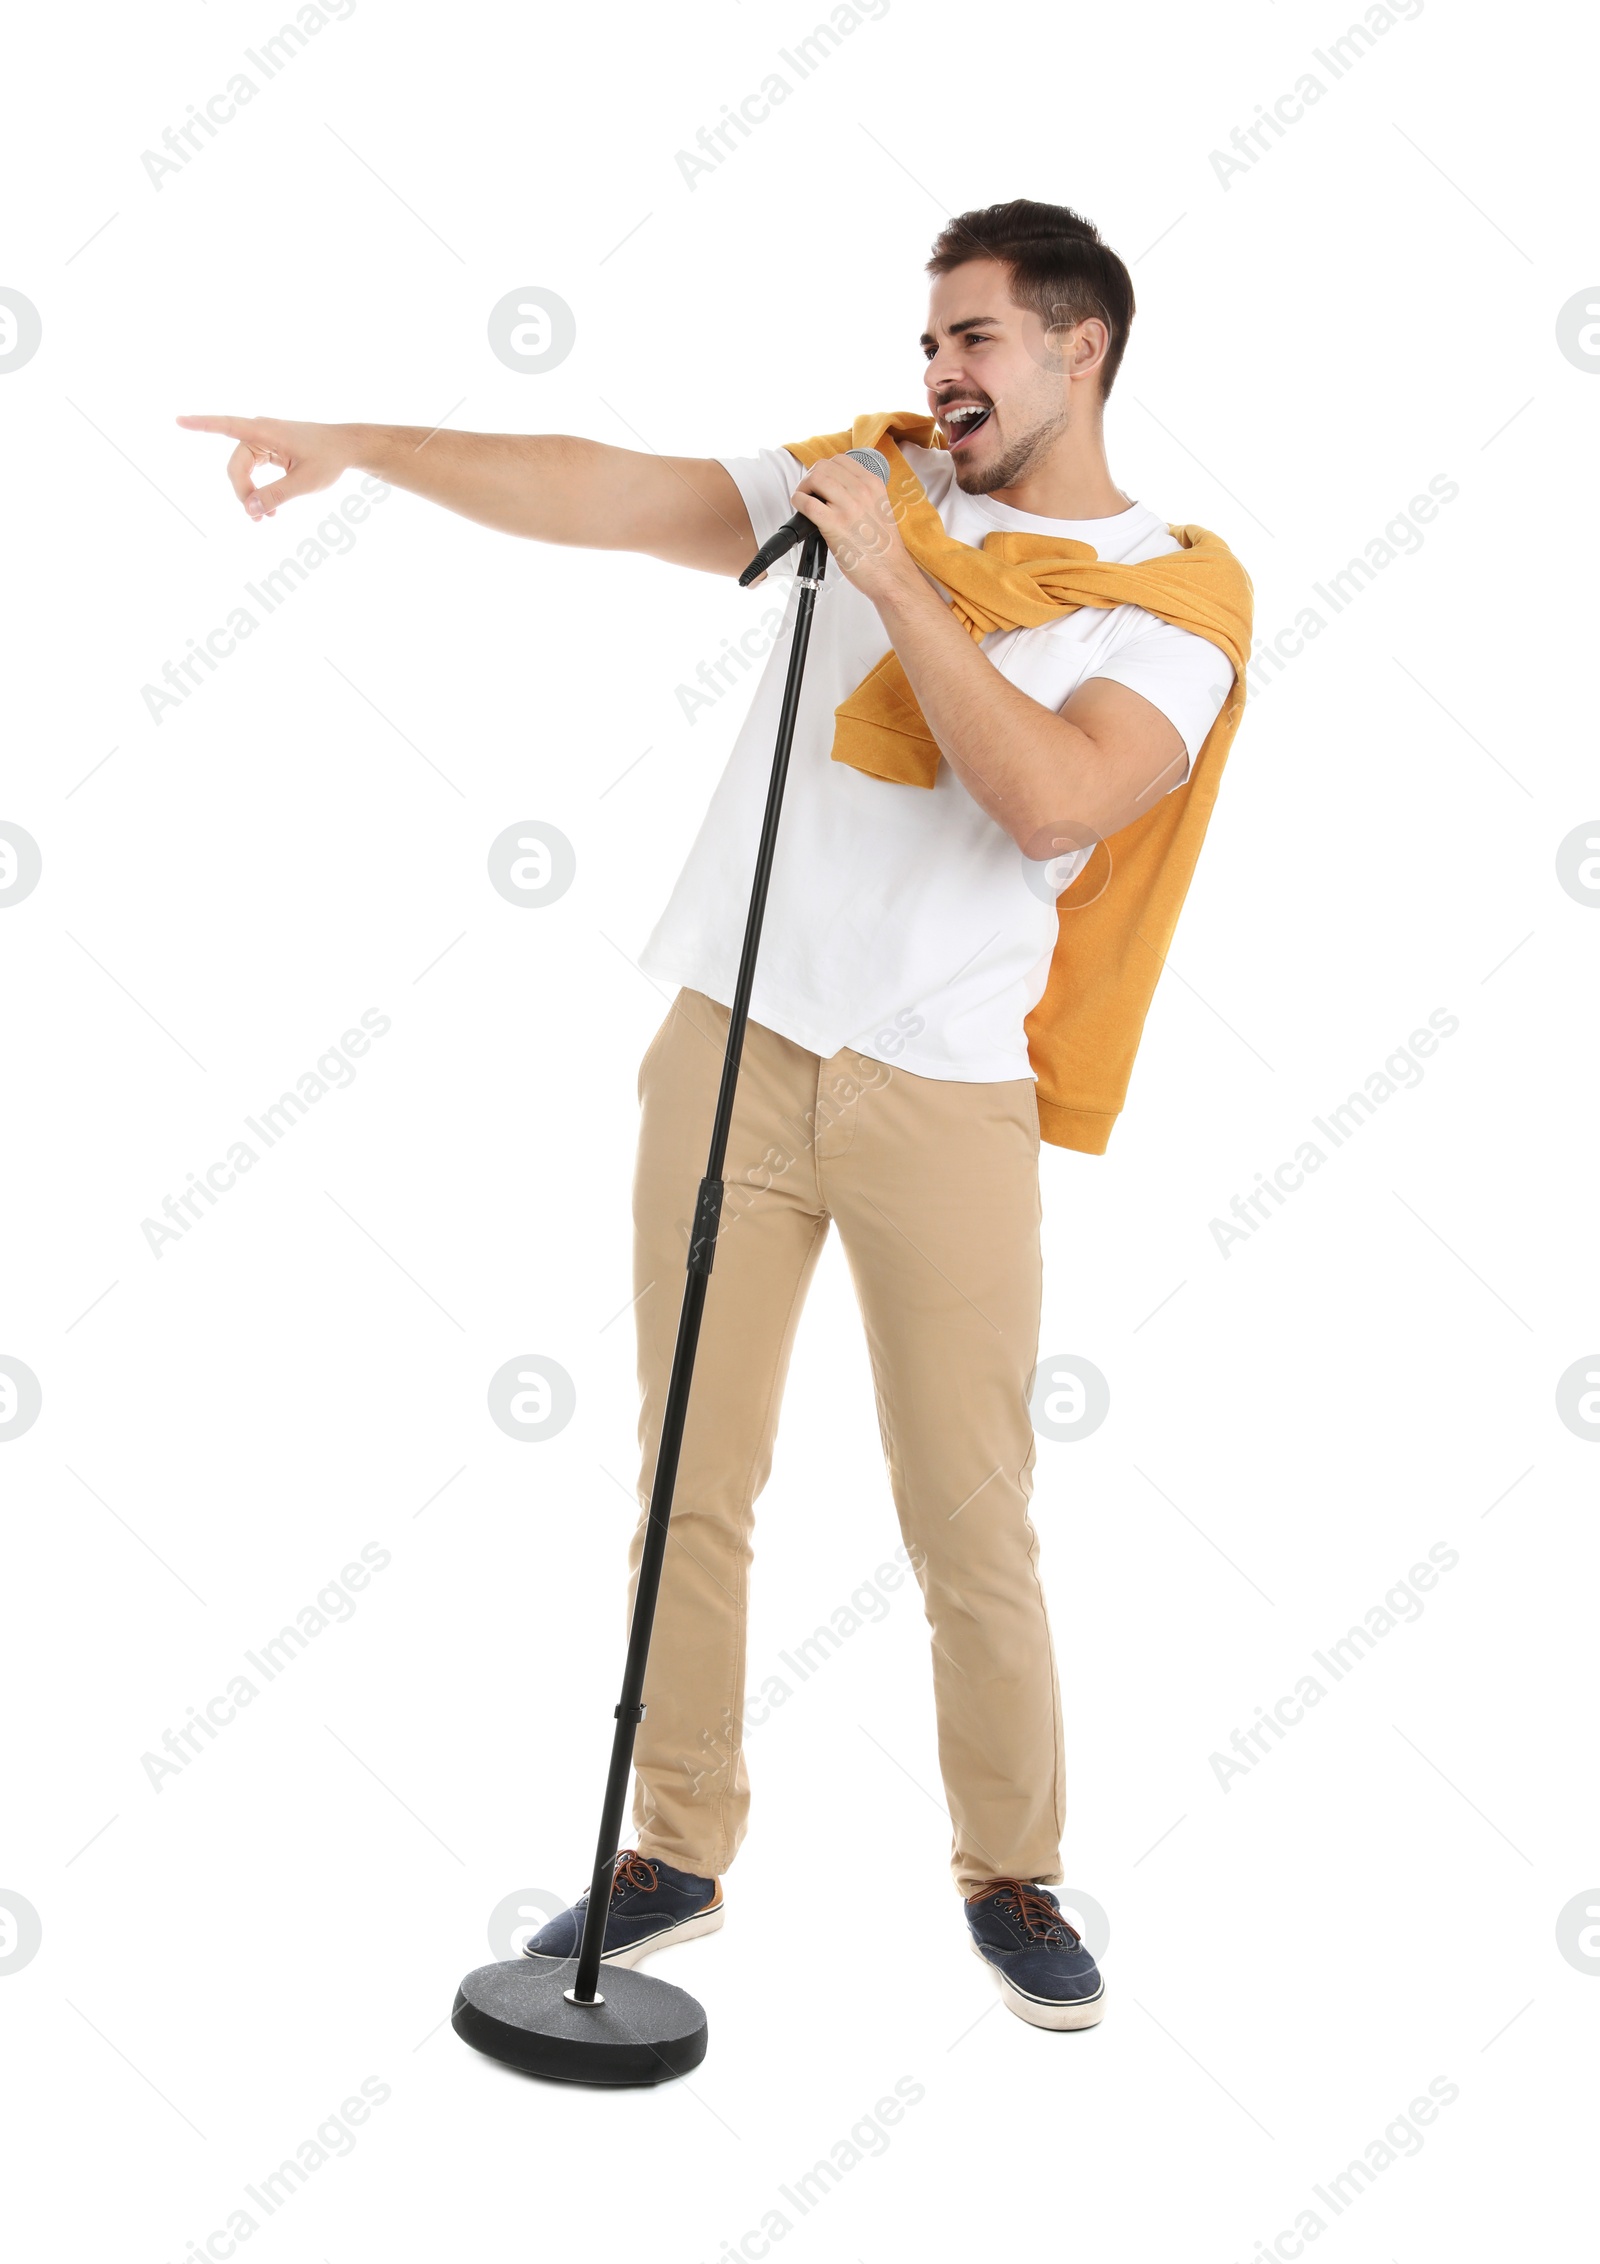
[(796, 529)]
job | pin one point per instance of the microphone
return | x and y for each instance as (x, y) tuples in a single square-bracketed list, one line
[(796, 529)]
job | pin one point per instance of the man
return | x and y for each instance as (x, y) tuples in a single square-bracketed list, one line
[(1012, 665)]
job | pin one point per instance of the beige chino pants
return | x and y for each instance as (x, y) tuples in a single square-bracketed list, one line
[(934, 1187)]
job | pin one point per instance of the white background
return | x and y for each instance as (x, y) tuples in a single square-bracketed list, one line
[(1292, 1959)]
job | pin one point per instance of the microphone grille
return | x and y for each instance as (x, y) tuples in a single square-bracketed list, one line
[(875, 461)]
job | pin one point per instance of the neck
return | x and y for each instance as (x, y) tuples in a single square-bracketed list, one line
[(1071, 479)]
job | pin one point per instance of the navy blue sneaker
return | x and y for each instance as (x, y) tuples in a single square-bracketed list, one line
[(1046, 1975), (652, 1905)]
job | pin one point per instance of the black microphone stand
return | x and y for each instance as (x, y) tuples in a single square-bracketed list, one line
[(644, 2030)]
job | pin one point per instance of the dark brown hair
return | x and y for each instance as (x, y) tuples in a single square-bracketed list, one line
[(1059, 266)]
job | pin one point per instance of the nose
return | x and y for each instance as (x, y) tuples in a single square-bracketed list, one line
[(943, 368)]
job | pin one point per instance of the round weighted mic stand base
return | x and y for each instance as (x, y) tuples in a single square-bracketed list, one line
[(639, 2030)]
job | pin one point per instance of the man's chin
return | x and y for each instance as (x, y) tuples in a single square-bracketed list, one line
[(973, 476), (995, 468), (1001, 463), (982, 479)]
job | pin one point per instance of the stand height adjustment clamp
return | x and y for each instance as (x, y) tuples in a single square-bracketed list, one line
[(628, 1713), (707, 1218)]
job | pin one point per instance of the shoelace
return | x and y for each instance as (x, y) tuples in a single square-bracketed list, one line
[(1040, 1919), (630, 1869)]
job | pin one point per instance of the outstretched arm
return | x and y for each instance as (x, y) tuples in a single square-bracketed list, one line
[(551, 487)]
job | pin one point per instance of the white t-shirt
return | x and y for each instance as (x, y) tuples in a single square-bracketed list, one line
[(904, 921)]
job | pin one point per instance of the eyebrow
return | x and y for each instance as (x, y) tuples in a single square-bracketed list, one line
[(972, 322)]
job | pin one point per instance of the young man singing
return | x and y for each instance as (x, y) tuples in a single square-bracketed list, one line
[(1020, 692)]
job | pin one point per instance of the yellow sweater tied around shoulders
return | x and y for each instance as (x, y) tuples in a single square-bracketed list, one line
[(1117, 917)]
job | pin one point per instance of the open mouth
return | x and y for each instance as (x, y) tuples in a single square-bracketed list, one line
[(962, 421)]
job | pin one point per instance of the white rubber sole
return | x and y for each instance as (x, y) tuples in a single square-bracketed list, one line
[(1083, 2012), (706, 1923)]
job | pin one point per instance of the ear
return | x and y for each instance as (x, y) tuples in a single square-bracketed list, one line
[(1086, 348)]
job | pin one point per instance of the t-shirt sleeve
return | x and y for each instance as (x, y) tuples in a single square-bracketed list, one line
[(767, 482), (1185, 676)]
